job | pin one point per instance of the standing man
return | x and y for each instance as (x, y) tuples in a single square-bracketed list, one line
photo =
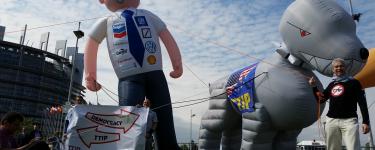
[(152, 121), (35, 133), (344, 93)]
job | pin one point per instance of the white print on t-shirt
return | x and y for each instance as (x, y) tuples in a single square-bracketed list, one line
[(337, 90)]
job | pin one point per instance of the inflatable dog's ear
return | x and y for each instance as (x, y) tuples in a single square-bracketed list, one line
[(367, 74)]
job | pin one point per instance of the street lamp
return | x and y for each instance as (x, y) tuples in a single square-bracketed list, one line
[(191, 126)]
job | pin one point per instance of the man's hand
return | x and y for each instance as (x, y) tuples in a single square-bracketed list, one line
[(230, 89), (365, 129), (312, 81), (92, 85)]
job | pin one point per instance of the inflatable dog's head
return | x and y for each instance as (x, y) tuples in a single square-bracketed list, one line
[(114, 5), (317, 31)]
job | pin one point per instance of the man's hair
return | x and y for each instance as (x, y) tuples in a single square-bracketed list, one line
[(338, 60), (11, 117)]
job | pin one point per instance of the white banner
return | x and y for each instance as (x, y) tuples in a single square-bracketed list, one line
[(106, 128)]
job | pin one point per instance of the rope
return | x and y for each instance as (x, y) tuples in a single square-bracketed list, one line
[(195, 75), (57, 24), (110, 96), (178, 28)]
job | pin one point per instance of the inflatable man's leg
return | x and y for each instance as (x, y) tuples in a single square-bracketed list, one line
[(131, 90), (153, 85), (158, 93)]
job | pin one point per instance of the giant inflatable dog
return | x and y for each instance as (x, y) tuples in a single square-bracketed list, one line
[(314, 32)]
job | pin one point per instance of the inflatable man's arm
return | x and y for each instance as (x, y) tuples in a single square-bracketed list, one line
[(90, 57), (173, 52), (96, 35)]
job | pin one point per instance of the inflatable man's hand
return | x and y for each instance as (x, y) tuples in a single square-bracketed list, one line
[(92, 85), (174, 53), (176, 73)]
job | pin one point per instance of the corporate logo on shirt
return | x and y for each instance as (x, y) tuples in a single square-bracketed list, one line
[(146, 33), (337, 90), (151, 60), (141, 21), (123, 61), (150, 46), (121, 51), (121, 42), (119, 30)]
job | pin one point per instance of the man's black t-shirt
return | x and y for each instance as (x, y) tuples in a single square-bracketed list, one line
[(344, 96)]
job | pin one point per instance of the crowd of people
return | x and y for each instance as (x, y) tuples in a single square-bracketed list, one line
[(13, 136)]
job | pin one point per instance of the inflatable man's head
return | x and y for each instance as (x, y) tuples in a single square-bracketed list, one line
[(114, 5), (317, 31)]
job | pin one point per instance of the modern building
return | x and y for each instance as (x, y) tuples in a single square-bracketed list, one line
[(33, 80)]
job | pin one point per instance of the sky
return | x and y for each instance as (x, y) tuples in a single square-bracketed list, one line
[(210, 33)]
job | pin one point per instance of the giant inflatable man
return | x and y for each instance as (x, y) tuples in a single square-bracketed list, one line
[(133, 45)]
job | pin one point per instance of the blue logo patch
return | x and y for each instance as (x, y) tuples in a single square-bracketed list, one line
[(146, 33), (150, 46), (141, 21)]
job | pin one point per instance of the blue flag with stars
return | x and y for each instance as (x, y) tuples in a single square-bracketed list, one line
[(242, 97)]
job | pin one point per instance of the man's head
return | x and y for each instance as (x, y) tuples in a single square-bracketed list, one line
[(146, 103), (338, 67), (12, 121), (114, 5), (36, 125)]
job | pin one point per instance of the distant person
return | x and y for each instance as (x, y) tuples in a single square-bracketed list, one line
[(152, 121), (10, 124), (344, 92), (21, 138), (78, 100), (35, 133)]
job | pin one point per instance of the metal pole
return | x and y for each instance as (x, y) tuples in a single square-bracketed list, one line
[(24, 35), (371, 139), (72, 74), (191, 120), (73, 65)]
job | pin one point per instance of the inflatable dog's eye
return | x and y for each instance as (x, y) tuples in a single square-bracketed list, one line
[(302, 32)]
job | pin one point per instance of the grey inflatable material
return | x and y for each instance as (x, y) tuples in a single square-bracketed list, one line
[(315, 32), (221, 124)]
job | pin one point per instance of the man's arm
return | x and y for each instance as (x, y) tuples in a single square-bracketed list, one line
[(364, 110), (25, 147), (319, 96)]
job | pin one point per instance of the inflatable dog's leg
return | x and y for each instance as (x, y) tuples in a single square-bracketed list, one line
[(257, 132)]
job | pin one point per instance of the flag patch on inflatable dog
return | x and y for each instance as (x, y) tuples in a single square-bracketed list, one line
[(242, 96)]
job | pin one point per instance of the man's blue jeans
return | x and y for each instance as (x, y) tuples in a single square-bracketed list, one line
[(153, 85)]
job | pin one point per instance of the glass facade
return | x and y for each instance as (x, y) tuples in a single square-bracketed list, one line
[(32, 81)]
